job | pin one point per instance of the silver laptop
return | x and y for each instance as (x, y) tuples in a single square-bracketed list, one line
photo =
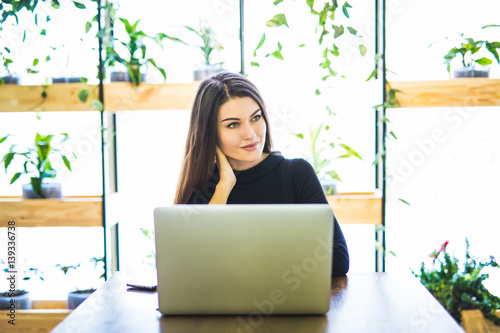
[(244, 259)]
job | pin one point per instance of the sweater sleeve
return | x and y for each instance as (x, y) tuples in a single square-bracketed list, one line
[(308, 189)]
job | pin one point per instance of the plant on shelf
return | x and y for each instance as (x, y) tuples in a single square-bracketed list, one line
[(207, 45), (38, 163), (13, 295), (467, 52), (85, 277), (320, 153), (132, 52), (458, 287)]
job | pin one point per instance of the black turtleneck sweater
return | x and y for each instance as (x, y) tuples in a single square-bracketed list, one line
[(278, 180)]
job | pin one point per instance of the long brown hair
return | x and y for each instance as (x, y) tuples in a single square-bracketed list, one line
[(199, 158)]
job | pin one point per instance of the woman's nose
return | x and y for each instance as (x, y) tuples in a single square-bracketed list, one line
[(248, 132)]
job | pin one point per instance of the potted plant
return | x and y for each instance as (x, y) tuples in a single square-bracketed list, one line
[(38, 164), (467, 52), (13, 297), (207, 44), (7, 78), (460, 286), (318, 146), (132, 53), (84, 280)]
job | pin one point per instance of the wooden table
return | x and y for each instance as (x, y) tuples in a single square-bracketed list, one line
[(360, 302)]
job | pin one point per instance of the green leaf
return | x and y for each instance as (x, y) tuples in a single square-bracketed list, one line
[(16, 176), (339, 31), (255, 64), (277, 20), (88, 25), (79, 5), (261, 42), (66, 161), (317, 92), (83, 95), (35, 61), (7, 159), (362, 50), (372, 75), (404, 201), (277, 54), (47, 58), (352, 31), (302, 45), (350, 152), (43, 32), (4, 138), (97, 105), (393, 135), (334, 175), (484, 61), (310, 3), (277, 2), (344, 9), (300, 135), (36, 184)]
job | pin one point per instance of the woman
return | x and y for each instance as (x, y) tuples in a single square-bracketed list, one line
[(229, 159)]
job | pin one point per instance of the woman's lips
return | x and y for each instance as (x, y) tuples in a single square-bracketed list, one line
[(250, 147)]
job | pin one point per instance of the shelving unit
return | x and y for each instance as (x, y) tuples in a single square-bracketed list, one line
[(66, 212), (463, 92)]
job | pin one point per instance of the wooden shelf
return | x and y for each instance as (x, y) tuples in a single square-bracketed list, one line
[(356, 208), (118, 96), (40, 321), (66, 212), (462, 92)]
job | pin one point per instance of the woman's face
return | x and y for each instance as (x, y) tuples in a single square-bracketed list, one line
[(242, 132)]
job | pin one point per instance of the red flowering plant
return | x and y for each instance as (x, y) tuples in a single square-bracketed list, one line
[(459, 287)]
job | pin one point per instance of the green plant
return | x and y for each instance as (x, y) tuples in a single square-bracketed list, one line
[(330, 30), (208, 42), (27, 274), (456, 286), (134, 56), (86, 281), (467, 52), (321, 148), (38, 159)]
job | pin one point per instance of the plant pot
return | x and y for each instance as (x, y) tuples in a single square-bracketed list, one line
[(50, 190), (471, 72), (9, 80), (66, 79), (123, 77), (22, 300), (75, 298), (329, 186), (206, 71)]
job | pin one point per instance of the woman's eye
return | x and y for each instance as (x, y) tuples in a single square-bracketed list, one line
[(257, 117), (232, 125)]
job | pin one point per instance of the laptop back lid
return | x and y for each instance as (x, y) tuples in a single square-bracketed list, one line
[(242, 259)]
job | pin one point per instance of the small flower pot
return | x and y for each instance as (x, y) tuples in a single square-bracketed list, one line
[(50, 190), (21, 300), (123, 77), (76, 298), (329, 186), (66, 80), (471, 72), (9, 80)]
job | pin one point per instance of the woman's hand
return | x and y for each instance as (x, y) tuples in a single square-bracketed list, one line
[(227, 176), (227, 179)]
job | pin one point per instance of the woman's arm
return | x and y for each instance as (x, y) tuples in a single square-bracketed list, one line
[(307, 185)]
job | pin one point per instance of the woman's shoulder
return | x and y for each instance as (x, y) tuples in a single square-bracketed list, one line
[(296, 166)]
